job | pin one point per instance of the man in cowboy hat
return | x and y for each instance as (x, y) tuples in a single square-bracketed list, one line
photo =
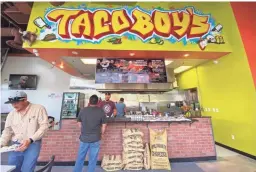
[(25, 125)]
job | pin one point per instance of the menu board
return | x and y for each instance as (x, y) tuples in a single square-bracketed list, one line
[(130, 71)]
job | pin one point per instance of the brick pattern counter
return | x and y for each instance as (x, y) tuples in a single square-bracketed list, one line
[(184, 140)]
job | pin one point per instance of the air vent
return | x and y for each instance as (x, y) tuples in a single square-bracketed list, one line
[(139, 88)]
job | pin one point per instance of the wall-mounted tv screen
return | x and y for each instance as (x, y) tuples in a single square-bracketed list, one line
[(130, 71), (22, 82)]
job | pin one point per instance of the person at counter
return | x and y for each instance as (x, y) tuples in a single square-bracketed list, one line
[(92, 121), (25, 126), (98, 104), (51, 121), (121, 108), (52, 124), (108, 106)]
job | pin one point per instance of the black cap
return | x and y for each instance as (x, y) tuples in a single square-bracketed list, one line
[(109, 94)]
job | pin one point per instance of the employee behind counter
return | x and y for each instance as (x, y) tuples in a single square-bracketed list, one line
[(108, 106), (121, 108)]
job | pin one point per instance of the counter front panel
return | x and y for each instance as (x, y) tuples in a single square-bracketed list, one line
[(185, 140)]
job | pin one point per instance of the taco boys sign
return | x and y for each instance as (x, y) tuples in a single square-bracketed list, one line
[(96, 24)]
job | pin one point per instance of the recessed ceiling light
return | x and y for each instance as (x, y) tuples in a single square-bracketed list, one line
[(186, 55), (181, 69), (89, 61), (132, 54), (215, 61), (167, 62), (74, 52)]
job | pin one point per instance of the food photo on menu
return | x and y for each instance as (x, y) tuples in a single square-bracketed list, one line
[(130, 71)]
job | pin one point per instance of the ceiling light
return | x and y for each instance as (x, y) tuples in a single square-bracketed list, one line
[(132, 54), (215, 61), (74, 52), (61, 66), (167, 62), (186, 55), (89, 61), (181, 69)]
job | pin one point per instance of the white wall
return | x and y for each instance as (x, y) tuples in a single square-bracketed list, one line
[(49, 78)]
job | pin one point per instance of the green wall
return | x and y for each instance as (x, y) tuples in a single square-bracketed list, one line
[(229, 87), (233, 93)]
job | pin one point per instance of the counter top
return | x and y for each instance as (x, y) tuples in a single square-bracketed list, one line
[(128, 120)]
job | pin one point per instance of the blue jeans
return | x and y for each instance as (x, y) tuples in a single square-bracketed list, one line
[(25, 161), (93, 154)]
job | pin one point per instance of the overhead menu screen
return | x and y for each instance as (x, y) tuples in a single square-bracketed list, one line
[(130, 71)]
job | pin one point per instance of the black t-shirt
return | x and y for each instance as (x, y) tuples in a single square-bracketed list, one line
[(91, 119)]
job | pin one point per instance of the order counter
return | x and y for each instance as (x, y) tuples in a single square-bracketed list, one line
[(187, 140)]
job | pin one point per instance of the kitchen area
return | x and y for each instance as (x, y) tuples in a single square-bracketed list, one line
[(155, 106)]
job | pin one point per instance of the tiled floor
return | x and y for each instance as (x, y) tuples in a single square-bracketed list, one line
[(227, 161)]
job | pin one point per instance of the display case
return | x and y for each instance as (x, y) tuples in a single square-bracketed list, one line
[(71, 104)]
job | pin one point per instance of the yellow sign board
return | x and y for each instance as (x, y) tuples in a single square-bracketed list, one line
[(142, 26)]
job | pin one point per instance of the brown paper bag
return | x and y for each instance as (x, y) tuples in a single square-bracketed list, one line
[(112, 163), (159, 153)]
